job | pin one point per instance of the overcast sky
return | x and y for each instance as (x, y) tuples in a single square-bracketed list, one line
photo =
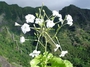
[(51, 4)]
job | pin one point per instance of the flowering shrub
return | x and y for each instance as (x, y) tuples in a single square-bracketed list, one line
[(45, 24)]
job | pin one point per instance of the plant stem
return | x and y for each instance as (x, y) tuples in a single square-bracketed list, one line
[(41, 44), (38, 41), (58, 43), (46, 45), (59, 27), (50, 38), (57, 31)]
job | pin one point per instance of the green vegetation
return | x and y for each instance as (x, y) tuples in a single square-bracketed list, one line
[(13, 50), (75, 39), (0, 65)]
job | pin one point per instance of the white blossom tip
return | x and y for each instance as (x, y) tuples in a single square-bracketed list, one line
[(22, 39), (17, 24), (63, 53), (35, 53)]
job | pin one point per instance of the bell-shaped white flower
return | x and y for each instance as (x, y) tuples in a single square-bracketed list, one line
[(69, 20), (50, 23), (30, 18), (16, 24), (63, 53), (57, 46), (39, 21), (25, 28), (22, 39), (34, 53)]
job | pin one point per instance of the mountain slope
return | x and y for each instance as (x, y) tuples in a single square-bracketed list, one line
[(75, 39), (81, 17)]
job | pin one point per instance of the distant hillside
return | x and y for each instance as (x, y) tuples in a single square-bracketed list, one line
[(75, 39), (13, 11), (80, 16)]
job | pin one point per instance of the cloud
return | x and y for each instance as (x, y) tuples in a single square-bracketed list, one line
[(51, 4), (83, 4), (57, 5)]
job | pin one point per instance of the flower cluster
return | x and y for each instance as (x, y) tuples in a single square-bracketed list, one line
[(44, 25)]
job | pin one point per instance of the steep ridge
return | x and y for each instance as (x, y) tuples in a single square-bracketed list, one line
[(81, 17)]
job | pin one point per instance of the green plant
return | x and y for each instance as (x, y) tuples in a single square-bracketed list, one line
[(42, 26)]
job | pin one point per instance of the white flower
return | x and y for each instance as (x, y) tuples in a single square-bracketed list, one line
[(50, 23), (57, 46), (63, 53), (34, 53), (16, 24), (70, 23), (69, 19), (30, 18), (22, 39), (39, 21), (25, 28), (55, 13), (60, 18)]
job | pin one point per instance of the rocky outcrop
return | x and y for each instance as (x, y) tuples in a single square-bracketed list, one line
[(4, 62)]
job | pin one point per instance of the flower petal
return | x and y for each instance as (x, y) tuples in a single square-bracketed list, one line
[(16, 24), (25, 28), (63, 53), (22, 39), (50, 23), (69, 19), (30, 18), (34, 53), (39, 21)]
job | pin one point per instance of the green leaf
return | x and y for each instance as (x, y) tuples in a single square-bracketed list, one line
[(68, 63), (35, 66), (57, 62), (34, 62), (49, 56), (38, 57)]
